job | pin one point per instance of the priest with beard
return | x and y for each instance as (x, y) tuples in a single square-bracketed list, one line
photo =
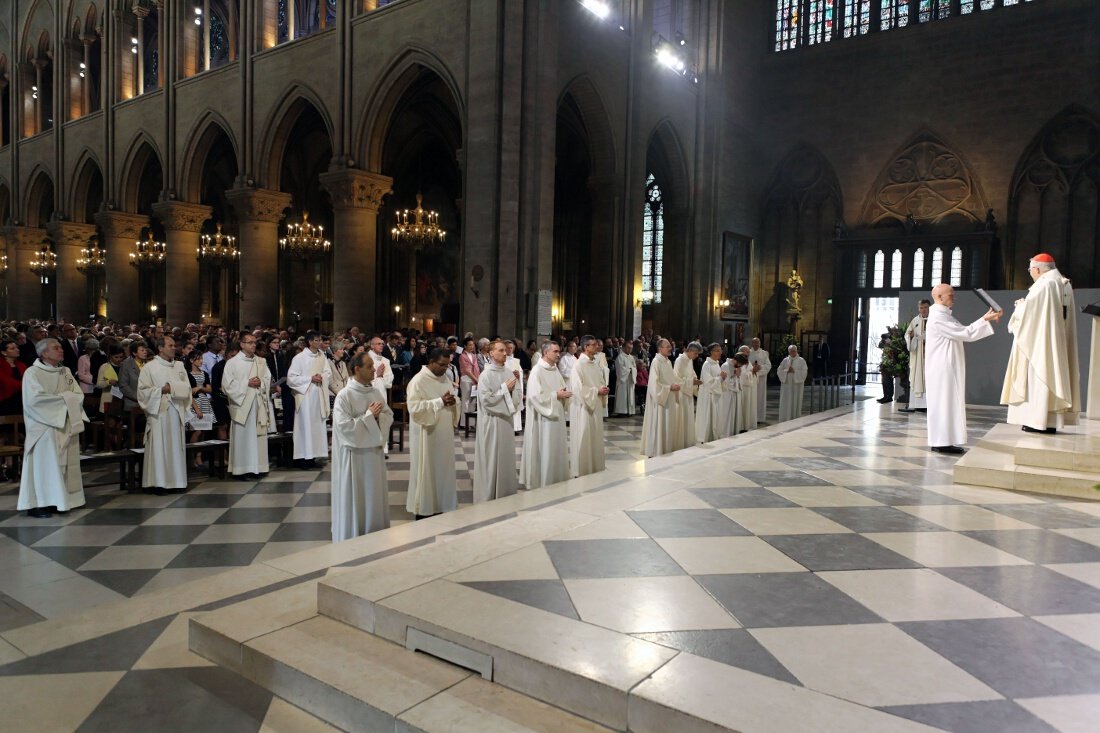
[(246, 383), (498, 395), (662, 426), (545, 443), (433, 413), (164, 393), (588, 383), (361, 422), (54, 416)]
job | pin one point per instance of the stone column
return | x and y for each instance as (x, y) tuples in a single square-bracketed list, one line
[(356, 196), (24, 288), (120, 231), (72, 286), (259, 212), (182, 223)]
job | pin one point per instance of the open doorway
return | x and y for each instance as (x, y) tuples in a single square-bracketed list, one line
[(882, 313)]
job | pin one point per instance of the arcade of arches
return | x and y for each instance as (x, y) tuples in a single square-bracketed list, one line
[(664, 167)]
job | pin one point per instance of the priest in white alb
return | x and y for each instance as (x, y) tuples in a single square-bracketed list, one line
[(360, 426), (309, 375), (945, 369), (433, 413), (709, 423), (383, 374), (53, 414), (246, 383), (749, 394), (684, 368), (731, 396), (914, 341), (760, 363), (512, 364), (626, 377), (601, 360), (495, 444), (1042, 386), (588, 383), (164, 394), (792, 374), (545, 443), (662, 426)]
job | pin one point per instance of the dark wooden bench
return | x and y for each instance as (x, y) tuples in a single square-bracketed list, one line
[(127, 461), (400, 421)]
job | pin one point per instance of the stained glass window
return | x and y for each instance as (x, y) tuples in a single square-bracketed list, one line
[(653, 239), (821, 17), (857, 17), (937, 265), (895, 269), (880, 270), (219, 42), (786, 24), (894, 14), (918, 268), (957, 267), (861, 271), (283, 21)]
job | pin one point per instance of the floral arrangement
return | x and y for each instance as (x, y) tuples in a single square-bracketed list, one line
[(895, 354)]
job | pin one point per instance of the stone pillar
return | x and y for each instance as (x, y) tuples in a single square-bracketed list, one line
[(24, 287), (120, 231), (182, 224), (259, 212), (72, 286), (356, 196), (601, 298)]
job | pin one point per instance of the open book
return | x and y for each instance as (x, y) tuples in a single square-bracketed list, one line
[(988, 300)]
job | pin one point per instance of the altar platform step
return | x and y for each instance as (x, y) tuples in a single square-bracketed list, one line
[(1066, 463)]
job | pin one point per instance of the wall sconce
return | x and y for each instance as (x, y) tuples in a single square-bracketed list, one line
[(646, 299), (722, 304)]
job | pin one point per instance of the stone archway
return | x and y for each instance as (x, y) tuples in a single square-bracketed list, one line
[(671, 265)]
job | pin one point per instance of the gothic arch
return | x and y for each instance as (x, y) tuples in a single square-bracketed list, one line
[(1054, 200), (927, 179), (142, 150), (597, 123), (295, 100), (39, 204), (666, 155), (84, 178), (203, 135), (39, 17)]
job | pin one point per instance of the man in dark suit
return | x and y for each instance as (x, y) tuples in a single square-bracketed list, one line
[(277, 364), (27, 352), (70, 347)]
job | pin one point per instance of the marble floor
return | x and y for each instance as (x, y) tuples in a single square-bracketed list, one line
[(822, 574)]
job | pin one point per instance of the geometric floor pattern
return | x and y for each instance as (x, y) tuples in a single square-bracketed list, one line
[(963, 608)]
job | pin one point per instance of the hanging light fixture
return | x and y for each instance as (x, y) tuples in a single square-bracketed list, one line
[(305, 241), (44, 262), (418, 226), (92, 260), (148, 254), (218, 250), (3, 265)]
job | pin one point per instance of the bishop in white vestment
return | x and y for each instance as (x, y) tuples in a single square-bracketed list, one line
[(626, 377), (246, 383), (662, 426), (914, 341), (684, 369), (308, 376), (760, 363), (709, 424), (433, 414), (1042, 386), (545, 443), (164, 394), (588, 383), (54, 416), (361, 423), (792, 381), (945, 369), (495, 444)]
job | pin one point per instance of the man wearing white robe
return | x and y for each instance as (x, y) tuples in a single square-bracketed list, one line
[(792, 380), (731, 397), (749, 394), (164, 394), (662, 425), (1042, 386), (433, 413), (915, 342), (588, 383), (513, 365), (246, 383), (309, 375), (54, 416), (495, 445), (945, 369), (601, 360), (545, 443), (383, 375), (361, 423), (626, 377), (761, 363), (684, 368), (709, 425)]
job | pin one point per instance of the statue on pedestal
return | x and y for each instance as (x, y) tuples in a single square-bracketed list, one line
[(794, 297)]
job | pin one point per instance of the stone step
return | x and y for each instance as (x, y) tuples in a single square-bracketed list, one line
[(1076, 448), (999, 469)]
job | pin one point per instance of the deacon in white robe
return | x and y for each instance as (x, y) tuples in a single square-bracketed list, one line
[(709, 423), (246, 383), (945, 369), (545, 443), (433, 413), (361, 423), (164, 394), (588, 383), (749, 394), (383, 369), (761, 363), (626, 377), (914, 341), (792, 380), (689, 385), (601, 360), (495, 445), (54, 416), (731, 397), (1042, 386), (511, 364), (662, 425), (308, 376)]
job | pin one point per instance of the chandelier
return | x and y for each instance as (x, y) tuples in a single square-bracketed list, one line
[(218, 249), (149, 254), (3, 265), (92, 260), (44, 262), (418, 227), (305, 241)]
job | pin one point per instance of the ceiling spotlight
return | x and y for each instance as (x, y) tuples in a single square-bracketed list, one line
[(598, 8)]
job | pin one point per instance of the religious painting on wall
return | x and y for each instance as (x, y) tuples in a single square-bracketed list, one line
[(436, 278), (734, 287)]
